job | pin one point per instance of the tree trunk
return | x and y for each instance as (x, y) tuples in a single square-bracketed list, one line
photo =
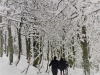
[(73, 52), (84, 45), (7, 51), (5, 43), (51, 50), (10, 44), (40, 48), (36, 52), (36, 48), (1, 46), (20, 44), (48, 56), (28, 50)]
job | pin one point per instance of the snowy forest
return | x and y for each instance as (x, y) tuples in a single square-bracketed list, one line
[(41, 29)]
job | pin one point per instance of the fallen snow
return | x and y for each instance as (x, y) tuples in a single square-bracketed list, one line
[(94, 1), (6, 69)]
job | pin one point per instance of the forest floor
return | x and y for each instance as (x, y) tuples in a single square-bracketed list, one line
[(6, 69)]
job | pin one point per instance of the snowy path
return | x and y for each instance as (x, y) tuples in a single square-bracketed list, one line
[(6, 69)]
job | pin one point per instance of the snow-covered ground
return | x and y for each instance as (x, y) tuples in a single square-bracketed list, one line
[(6, 69)]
